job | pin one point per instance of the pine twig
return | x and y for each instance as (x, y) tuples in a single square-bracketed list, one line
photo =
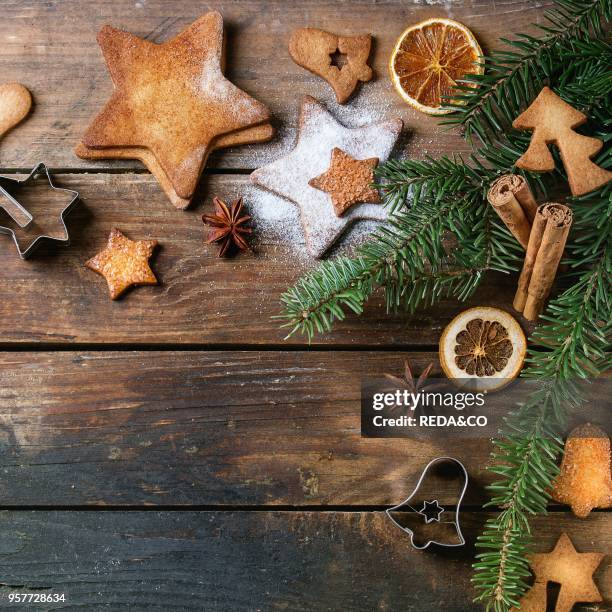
[(410, 259), (432, 198), (526, 458), (487, 103)]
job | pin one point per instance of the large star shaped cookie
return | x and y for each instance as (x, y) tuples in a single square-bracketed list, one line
[(171, 99), (259, 133), (289, 176)]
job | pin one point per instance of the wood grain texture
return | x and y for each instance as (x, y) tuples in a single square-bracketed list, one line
[(202, 299), (58, 38), (227, 430), (204, 428), (254, 561), (209, 428)]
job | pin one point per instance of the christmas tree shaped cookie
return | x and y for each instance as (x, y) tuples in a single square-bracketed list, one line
[(553, 121)]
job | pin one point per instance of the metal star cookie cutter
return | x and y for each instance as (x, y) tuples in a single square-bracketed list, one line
[(428, 504), (22, 216)]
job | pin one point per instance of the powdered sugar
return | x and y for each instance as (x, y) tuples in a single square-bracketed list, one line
[(370, 103), (319, 134), (212, 84), (277, 221)]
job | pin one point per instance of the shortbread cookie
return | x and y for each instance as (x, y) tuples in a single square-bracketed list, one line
[(348, 181), (172, 99), (253, 135), (584, 481), (567, 567), (124, 263), (15, 104), (318, 134), (553, 121), (313, 49)]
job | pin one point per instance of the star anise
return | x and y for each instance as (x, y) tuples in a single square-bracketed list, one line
[(228, 227), (408, 382)]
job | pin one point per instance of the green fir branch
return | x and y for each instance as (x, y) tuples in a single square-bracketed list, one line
[(575, 337), (488, 103), (448, 186), (578, 331), (407, 255), (411, 258), (415, 263)]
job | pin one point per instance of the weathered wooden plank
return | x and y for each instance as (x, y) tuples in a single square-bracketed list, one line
[(202, 299), (208, 428), (203, 428), (253, 560), (51, 47)]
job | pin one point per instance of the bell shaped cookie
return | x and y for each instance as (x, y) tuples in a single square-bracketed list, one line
[(316, 50)]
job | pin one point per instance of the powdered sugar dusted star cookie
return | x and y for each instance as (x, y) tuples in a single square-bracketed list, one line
[(318, 135)]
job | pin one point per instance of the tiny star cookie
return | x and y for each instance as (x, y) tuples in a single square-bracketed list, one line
[(124, 263), (567, 567), (348, 181), (318, 135)]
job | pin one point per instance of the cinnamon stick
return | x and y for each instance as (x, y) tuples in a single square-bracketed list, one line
[(544, 250), (513, 201)]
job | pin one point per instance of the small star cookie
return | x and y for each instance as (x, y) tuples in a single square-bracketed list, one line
[(124, 263), (348, 181)]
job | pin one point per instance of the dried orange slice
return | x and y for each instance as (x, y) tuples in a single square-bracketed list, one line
[(428, 60), (482, 349)]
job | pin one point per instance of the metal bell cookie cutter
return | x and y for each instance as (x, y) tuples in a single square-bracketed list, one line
[(22, 216), (433, 505)]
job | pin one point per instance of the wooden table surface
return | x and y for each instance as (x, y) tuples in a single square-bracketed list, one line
[(170, 451)]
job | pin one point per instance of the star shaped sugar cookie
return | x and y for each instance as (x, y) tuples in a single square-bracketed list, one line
[(318, 135), (124, 263), (171, 99), (253, 135), (567, 567), (348, 181)]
